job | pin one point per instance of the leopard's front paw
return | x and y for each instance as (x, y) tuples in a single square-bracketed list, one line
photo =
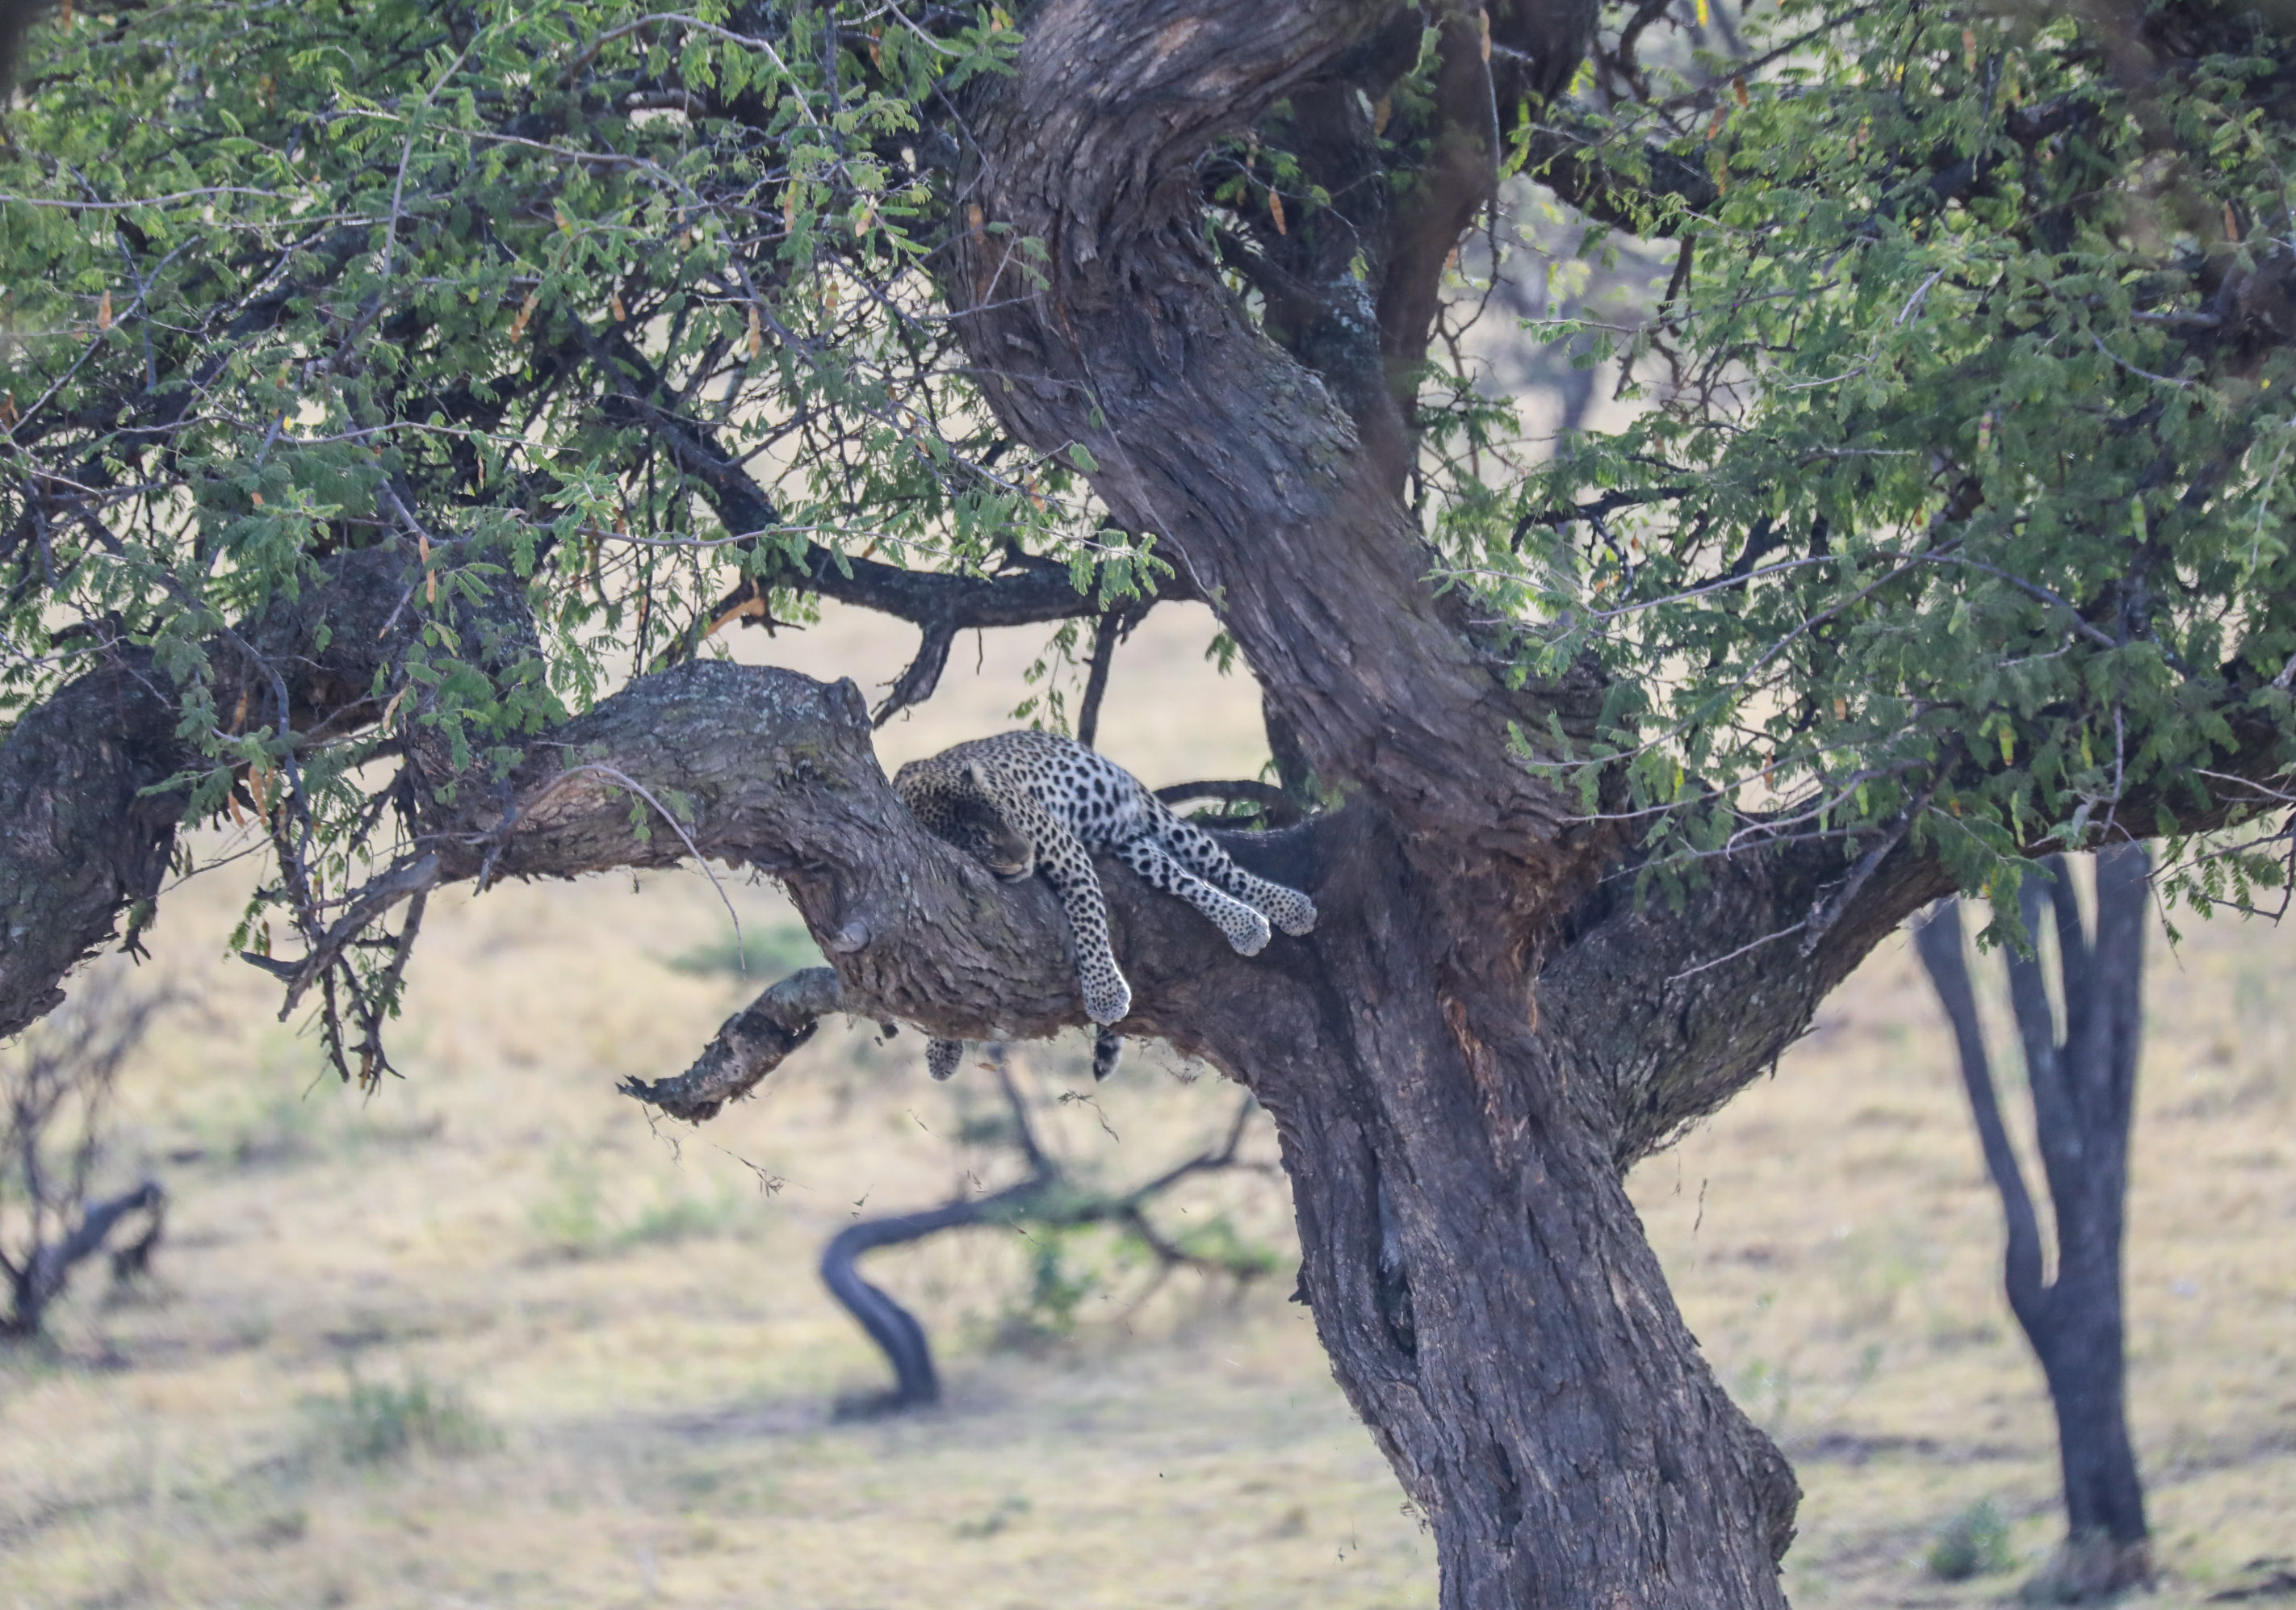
[(1107, 997)]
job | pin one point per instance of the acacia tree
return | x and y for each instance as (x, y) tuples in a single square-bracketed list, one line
[(400, 398)]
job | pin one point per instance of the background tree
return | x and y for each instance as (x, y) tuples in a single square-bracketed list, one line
[(2083, 1081), (1048, 1205), (57, 1089), (400, 399)]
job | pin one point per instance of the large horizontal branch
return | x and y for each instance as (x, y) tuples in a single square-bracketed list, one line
[(762, 767)]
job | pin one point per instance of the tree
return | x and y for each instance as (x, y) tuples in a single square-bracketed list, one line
[(402, 399), (55, 1110), (2083, 1082), (1046, 1204)]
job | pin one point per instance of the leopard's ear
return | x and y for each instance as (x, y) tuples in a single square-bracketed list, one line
[(973, 778)]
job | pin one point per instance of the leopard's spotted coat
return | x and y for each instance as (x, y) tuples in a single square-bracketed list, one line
[(1030, 801)]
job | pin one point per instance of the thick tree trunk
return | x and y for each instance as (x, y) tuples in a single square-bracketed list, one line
[(1486, 1295), (1476, 1269), (1493, 1311)]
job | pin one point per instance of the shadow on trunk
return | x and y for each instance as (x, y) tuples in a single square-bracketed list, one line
[(2082, 1076)]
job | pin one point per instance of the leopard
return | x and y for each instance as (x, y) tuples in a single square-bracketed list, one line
[(1034, 802)]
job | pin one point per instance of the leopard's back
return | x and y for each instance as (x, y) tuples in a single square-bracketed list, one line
[(1097, 800)]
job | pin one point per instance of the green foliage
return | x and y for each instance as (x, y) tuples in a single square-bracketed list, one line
[(1955, 511), (598, 311), (1957, 502), (1975, 1542)]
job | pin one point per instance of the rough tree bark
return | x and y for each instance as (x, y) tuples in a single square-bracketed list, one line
[(2084, 1087), (1484, 1031)]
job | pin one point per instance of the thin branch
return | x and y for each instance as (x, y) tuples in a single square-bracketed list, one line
[(916, 684), (1095, 683)]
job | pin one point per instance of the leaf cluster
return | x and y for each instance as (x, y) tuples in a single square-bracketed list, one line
[(619, 325), (1954, 503)]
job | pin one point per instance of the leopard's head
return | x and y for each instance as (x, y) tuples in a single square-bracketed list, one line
[(964, 816), (990, 840), (981, 830)]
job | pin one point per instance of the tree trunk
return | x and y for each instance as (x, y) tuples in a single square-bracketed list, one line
[(1482, 1280), (2107, 1542), (1493, 1310), (2083, 1082)]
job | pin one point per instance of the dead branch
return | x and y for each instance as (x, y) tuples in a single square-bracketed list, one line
[(752, 1044)]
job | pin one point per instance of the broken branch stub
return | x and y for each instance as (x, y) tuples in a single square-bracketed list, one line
[(752, 1044)]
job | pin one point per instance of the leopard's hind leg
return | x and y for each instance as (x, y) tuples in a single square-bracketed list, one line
[(1200, 852), (1245, 928), (942, 1056)]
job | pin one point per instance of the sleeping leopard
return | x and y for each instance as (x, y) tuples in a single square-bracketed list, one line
[(1030, 801)]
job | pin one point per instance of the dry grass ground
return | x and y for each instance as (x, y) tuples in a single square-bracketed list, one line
[(617, 1369)]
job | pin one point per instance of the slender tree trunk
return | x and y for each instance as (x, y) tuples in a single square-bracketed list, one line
[(2104, 1498), (2083, 1082)]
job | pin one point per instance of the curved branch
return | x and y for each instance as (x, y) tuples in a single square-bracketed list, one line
[(1281, 809), (1035, 590), (892, 1327), (752, 1044), (1204, 431), (917, 683)]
